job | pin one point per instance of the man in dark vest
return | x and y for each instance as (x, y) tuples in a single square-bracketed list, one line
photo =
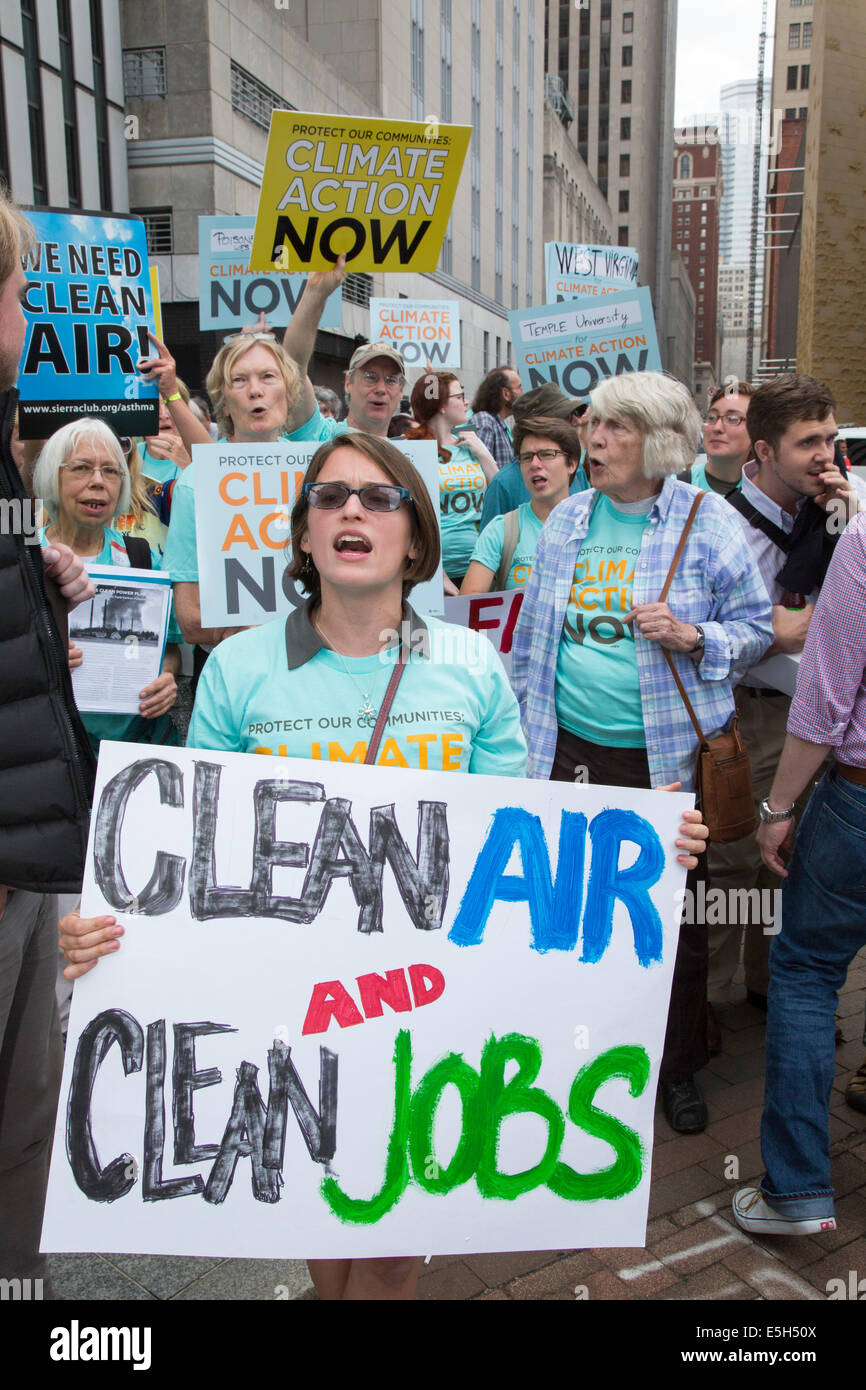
[(46, 779)]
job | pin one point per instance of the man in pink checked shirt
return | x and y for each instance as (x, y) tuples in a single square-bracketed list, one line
[(823, 923)]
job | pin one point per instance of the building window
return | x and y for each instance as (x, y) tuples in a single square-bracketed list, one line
[(485, 357), (807, 34), (625, 127), (790, 113), (158, 229), (628, 23), (804, 77), (445, 47), (804, 111), (357, 288), (70, 126), (622, 236), (33, 81), (625, 91), (100, 104), (791, 84), (626, 56), (417, 59), (623, 200), (624, 165), (793, 36), (686, 166), (143, 73), (253, 99)]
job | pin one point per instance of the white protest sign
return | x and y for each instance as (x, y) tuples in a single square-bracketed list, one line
[(578, 270), (493, 614), (418, 329), (244, 495), (364, 1012)]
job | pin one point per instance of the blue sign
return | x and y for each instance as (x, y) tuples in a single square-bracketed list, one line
[(577, 344), (88, 307), (232, 296)]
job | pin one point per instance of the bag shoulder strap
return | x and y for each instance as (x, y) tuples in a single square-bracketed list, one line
[(510, 537), (757, 519), (385, 707), (138, 551), (678, 553)]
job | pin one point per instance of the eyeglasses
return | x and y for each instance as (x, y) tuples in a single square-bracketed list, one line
[(376, 497), (253, 338), (83, 472), (730, 418), (545, 455), (125, 443), (374, 379), (457, 396)]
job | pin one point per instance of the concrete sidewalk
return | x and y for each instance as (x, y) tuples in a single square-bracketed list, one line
[(694, 1249)]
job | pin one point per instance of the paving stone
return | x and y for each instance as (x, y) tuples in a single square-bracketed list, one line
[(162, 1275), (698, 1246), (847, 1174), (711, 1285), (840, 1128), (737, 1129), (850, 1004), (669, 1194), (497, 1269), (605, 1285), (643, 1274), (92, 1277), (681, 1152), (563, 1275), (850, 1222), (739, 1096), (838, 1263), (451, 1284), (498, 1294), (744, 1068), (794, 1252), (744, 1040), (769, 1276), (249, 1280), (658, 1229), (750, 1164), (706, 1206)]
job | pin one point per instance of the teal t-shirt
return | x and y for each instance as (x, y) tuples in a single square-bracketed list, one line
[(454, 710), (318, 430), (160, 470), (127, 728), (461, 496), (488, 548), (597, 688), (699, 479)]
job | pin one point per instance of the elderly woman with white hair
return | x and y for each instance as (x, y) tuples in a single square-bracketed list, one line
[(598, 700), (83, 481)]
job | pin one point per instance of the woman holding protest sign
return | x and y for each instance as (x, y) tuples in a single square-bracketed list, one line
[(612, 596), (363, 533), (83, 478), (548, 451), (465, 467)]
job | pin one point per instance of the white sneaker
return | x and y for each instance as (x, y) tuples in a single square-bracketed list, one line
[(754, 1215)]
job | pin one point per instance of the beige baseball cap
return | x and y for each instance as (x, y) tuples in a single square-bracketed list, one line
[(367, 351)]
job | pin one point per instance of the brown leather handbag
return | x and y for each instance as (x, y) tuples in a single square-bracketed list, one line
[(723, 777)]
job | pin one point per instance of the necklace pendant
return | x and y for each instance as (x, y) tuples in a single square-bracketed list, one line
[(366, 710)]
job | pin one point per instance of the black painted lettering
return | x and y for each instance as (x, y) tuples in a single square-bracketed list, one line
[(420, 881), (319, 1129), (243, 1138), (153, 1188), (163, 889), (186, 1080), (112, 1026)]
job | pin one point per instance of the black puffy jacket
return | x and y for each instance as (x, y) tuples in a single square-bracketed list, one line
[(46, 764)]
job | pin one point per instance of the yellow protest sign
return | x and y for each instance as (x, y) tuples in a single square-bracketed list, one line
[(157, 303), (380, 191)]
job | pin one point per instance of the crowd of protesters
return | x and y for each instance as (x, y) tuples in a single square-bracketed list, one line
[(534, 486)]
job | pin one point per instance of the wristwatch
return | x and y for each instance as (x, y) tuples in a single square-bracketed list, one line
[(701, 643), (772, 817)]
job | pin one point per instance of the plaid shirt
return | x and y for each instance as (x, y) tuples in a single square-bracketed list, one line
[(829, 705), (494, 435), (717, 585)]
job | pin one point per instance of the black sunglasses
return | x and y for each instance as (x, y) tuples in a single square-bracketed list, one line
[(376, 497)]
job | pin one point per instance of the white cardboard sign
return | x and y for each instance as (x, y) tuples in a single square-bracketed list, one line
[(364, 1012)]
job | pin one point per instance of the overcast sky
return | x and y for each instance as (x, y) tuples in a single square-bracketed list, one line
[(716, 45)]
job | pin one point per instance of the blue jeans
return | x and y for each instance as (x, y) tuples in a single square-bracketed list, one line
[(823, 928)]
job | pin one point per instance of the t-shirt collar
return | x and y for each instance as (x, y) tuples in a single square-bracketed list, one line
[(303, 641)]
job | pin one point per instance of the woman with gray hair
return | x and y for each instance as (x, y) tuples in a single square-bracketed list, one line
[(83, 481), (598, 700)]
